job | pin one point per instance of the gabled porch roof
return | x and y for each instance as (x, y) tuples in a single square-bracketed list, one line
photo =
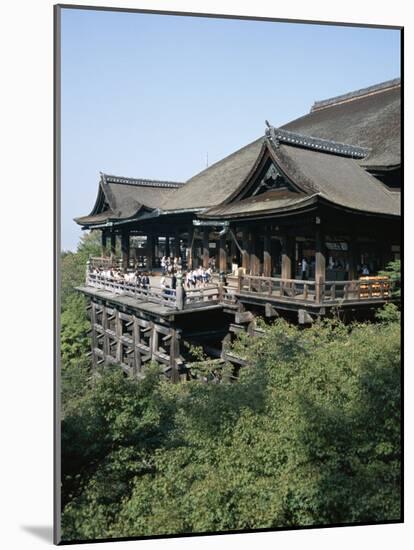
[(316, 170)]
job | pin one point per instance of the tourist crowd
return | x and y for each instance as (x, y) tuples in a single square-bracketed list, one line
[(171, 268), (137, 278)]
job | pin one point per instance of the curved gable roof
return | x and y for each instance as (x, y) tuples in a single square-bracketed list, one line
[(121, 198), (316, 173)]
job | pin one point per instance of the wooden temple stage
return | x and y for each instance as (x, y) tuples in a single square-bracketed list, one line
[(300, 223), (132, 326)]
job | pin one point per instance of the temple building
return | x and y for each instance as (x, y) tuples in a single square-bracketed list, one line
[(300, 221)]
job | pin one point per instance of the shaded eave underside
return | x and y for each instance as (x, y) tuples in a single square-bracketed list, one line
[(290, 208)]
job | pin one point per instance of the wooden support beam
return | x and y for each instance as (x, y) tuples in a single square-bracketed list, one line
[(150, 248), (174, 355), (137, 354), (270, 311), (267, 255), (352, 258), (176, 245), (167, 246), (254, 254), (113, 245), (206, 250), (105, 327), (222, 254), (288, 256), (118, 332), (243, 317), (154, 341), (93, 337), (320, 263), (233, 248), (125, 250), (191, 237), (304, 318), (245, 249)]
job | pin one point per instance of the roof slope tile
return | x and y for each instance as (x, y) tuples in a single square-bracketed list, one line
[(372, 121)]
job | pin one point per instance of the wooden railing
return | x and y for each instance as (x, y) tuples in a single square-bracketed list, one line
[(193, 298), (196, 297), (157, 295), (328, 292), (272, 287), (366, 288)]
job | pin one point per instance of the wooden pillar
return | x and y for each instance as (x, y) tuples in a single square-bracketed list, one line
[(167, 246), (206, 250), (174, 355), (105, 328), (137, 341), (352, 259), (118, 332), (190, 258), (233, 249), (93, 335), (176, 246), (156, 247), (125, 250), (104, 244), (254, 255), (320, 263), (267, 255), (288, 256), (113, 245), (150, 250), (246, 249), (222, 254)]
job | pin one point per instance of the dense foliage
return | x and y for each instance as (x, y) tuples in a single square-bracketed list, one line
[(393, 272), (310, 434), (74, 323)]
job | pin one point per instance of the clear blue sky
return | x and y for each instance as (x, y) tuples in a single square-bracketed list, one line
[(149, 95)]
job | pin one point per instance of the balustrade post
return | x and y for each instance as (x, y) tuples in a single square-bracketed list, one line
[(320, 289), (180, 292), (239, 283), (346, 291)]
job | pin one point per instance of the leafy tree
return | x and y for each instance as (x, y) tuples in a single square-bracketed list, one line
[(310, 434), (73, 264), (393, 272)]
